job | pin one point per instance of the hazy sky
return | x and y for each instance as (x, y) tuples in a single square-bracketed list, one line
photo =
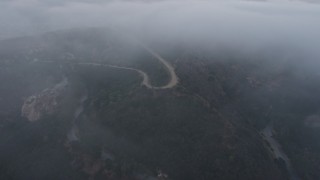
[(240, 23)]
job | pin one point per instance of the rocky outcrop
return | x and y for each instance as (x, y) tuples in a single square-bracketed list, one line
[(43, 103)]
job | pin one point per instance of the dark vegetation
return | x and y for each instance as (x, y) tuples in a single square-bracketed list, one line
[(205, 128), (176, 133), (263, 93), (32, 150)]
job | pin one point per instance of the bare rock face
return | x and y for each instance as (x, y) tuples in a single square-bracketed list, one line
[(43, 103)]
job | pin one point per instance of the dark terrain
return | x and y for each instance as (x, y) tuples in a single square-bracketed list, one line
[(207, 127)]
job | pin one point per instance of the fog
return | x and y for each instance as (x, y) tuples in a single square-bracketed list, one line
[(70, 98), (293, 25)]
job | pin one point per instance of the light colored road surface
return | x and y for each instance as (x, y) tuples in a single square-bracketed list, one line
[(174, 80), (173, 77), (146, 80)]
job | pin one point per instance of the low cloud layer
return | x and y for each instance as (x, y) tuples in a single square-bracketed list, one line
[(247, 24)]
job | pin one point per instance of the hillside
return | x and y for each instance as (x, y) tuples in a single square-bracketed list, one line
[(64, 118)]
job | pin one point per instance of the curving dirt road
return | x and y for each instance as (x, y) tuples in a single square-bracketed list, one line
[(173, 77), (174, 80), (146, 80)]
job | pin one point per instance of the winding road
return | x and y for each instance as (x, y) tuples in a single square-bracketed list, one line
[(173, 77), (72, 135), (174, 80), (146, 80)]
